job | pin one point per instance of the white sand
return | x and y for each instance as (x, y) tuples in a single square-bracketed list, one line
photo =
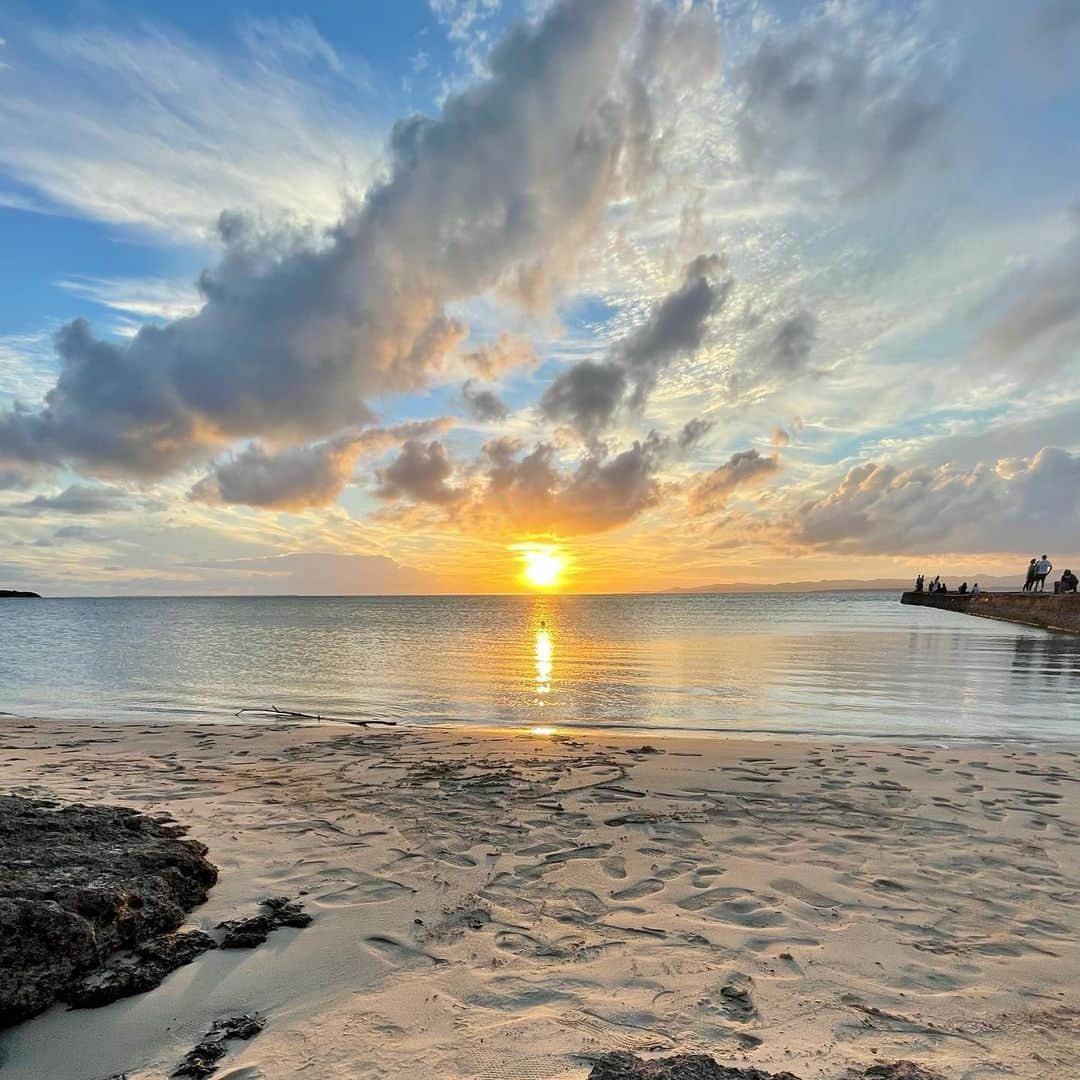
[(492, 905)]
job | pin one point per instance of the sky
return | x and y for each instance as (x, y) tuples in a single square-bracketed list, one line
[(348, 297)]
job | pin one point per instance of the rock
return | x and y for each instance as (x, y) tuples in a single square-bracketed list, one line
[(202, 1059), (900, 1070), (254, 930), (145, 969), (625, 1066), (19, 594), (78, 883), (737, 1002)]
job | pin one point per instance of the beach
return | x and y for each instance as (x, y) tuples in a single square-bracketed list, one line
[(510, 903)]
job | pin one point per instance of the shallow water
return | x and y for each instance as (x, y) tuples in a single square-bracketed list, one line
[(825, 663)]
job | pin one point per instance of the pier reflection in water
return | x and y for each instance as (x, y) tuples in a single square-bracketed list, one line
[(834, 663)]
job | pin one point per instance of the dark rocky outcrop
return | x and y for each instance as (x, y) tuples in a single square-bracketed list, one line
[(898, 1070), (143, 970), (19, 594), (202, 1060), (624, 1066), (247, 933), (78, 883)]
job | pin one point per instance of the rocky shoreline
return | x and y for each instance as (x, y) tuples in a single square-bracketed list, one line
[(79, 883)]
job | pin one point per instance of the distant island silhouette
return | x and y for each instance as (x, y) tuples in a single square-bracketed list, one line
[(19, 593)]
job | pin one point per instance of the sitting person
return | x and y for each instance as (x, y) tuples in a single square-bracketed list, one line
[(963, 588), (1069, 581), (975, 589)]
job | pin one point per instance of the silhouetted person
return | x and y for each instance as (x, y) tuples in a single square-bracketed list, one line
[(1069, 581), (963, 588), (935, 585), (975, 589), (1042, 568), (1030, 579), (919, 583)]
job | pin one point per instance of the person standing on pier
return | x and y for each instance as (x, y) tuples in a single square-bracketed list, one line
[(1030, 580), (1042, 569)]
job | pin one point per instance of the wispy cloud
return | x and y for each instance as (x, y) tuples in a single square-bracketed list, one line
[(149, 129)]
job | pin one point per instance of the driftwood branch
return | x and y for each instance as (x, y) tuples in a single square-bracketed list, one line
[(289, 714)]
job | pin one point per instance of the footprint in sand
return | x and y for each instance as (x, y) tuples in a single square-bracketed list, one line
[(646, 887), (402, 955), (614, 866), (342, 887)]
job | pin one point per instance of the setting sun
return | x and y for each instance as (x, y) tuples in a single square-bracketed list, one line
[(543, 567)]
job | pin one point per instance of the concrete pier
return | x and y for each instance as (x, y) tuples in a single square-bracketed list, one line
[(1052, 611)]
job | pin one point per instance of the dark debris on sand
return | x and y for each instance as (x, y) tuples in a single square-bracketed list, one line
[(625, 1066), (78, 883), (622, 1065), (203, 1058), (254, 930)]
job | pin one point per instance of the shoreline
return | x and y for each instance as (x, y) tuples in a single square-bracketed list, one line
[(492, 903), (562, 731)]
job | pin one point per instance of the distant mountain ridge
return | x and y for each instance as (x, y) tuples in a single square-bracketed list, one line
[(849, 585), (19, 593)]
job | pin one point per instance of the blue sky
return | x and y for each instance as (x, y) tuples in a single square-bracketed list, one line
[(811, 313)]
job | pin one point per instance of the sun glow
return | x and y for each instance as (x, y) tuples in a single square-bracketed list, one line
[(544, 566)]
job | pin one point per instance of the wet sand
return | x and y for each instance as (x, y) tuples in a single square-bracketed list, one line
[(500, 905)]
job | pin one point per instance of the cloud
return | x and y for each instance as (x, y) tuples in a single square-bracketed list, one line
[(419, 473), (76, 499), (1041, 318), (778, 355), (852, 102), (530, 494), (483, 405), (144, 298), (492, 358), (316, 574), (746, 468), (589, 394), (296, 479), (878, 508), (780, 437), (296, 331), (514, 491), (149, 129), (299, 478), (693, 432)]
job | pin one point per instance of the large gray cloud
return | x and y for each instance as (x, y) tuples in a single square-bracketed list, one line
[(422, 473), (509, 489), (745, 468), (295, 479), (529, 493), (832, 100), (589, 395), (503, 188), (301, 477), (1017, 505)]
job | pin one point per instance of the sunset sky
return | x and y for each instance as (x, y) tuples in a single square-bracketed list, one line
[(364, 297)]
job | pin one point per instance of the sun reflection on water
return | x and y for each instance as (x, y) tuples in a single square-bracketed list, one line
[(545, 650)]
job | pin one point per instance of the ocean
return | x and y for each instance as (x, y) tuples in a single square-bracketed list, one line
[(831, 664)]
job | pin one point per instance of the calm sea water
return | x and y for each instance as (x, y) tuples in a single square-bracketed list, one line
[(832, 663)]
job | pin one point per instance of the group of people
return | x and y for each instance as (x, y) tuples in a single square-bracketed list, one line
[(939, 586), (1037, 572)]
